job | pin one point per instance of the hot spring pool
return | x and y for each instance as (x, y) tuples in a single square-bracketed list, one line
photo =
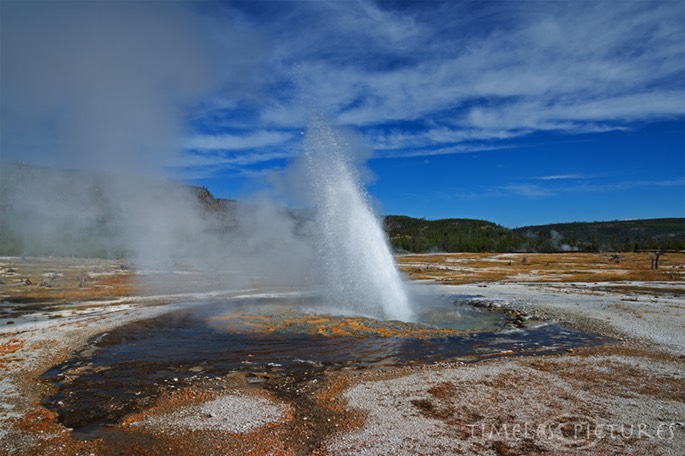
[(122, 370)]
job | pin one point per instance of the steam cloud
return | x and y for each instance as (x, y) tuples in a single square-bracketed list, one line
[(92, 112), (104, 82), (94, 95), (100, 87)]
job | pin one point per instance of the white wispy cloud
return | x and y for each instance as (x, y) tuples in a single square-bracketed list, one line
[(202, 164), (440, 150), (398, 139), (536, 190), (208, 154), (622, 185), (257, 139), (561, 177), (549, 187), (528, 190), (236, 159), (467, 76)]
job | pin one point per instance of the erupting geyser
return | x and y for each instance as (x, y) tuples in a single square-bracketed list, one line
[(357, 266)]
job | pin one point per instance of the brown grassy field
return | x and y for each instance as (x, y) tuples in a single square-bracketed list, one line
[(68, 280), (461, 268), (63, 280)]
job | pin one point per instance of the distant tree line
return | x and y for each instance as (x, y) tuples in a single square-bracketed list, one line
[(413, 235)]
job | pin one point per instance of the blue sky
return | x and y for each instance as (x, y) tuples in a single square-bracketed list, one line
[(517, 112)]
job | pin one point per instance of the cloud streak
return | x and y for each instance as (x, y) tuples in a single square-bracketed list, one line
[(533, 190), (561, 177), (462, 73), (236, 142)]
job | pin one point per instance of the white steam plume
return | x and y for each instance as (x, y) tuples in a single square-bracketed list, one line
[(93, 99), (102, 87)]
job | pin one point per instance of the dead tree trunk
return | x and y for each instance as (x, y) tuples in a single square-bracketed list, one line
[(657, 254)]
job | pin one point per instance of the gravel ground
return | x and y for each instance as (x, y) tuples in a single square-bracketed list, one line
[(626, 399), (512, 407), (232, 413)]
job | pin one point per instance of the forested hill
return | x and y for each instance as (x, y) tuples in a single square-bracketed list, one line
[(409, 234), (627, 235), (465, 235)]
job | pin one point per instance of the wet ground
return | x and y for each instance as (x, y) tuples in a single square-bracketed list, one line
[(279, 345)]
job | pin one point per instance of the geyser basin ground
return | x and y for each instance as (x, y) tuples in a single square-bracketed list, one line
[(122, 371), (407, 408)]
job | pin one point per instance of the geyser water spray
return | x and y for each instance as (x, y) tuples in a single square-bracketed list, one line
[(357, 266)]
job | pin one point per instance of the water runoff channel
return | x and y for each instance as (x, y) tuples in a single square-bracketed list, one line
[(286, 335)]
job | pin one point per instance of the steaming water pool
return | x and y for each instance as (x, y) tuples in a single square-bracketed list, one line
[(123, 370)]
